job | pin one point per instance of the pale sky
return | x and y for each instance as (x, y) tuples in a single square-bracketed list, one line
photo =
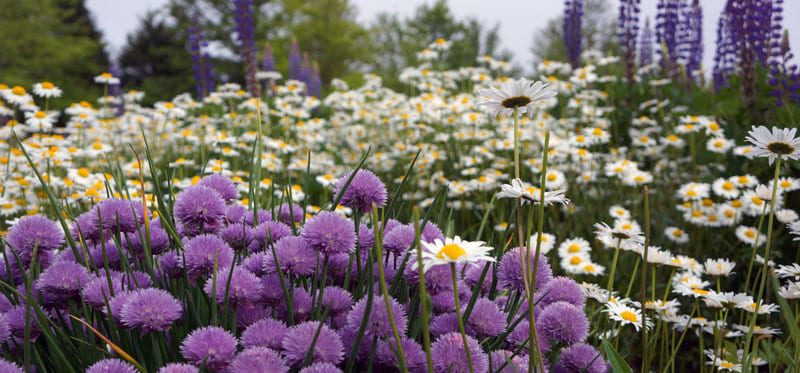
[(518, 19)]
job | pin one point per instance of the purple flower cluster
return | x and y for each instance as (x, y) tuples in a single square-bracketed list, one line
[(245, 33), (627, 32), (572, 30), (202, 67)]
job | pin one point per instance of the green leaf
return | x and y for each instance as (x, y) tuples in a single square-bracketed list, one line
[(618, 363)]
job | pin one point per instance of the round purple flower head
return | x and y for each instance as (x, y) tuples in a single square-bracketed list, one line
[(431, 232), (247, 314), (563, 322), (96, 292), (31, 232), (519, 336), (258, 360), (150, 310), (63, 280), (201, 252), (294, 255), (268, 232), (449, 355), (266, 333), (255, 263), (296, 344), (486, 319), (378, 324), (115, 305), (16, 321), (301, 301), (178, 368), (159, 241), (415, 356), (111, 366), (224, 186), (473, 274), (581, 357), (365, 190), (211, 345), (235, 213), (9, 367), (321, 368), (263, 217), (115, 215), (561, 289), (171, 263), (337, 300), (502, 358), (244, 287), (329, 233), (509, 272), (399, 239), (239, 236), (444, 323), (366, 237), (288, 215), (5, 328), (199, 210)]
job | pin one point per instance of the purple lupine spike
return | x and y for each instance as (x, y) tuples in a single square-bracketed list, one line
[(695, 48), (268, 59), (783, 76), (201, 63), (245, 30), (724, 56), (573, 14), (315, 82), (668, 33), (628, 24), (295, 61), (646, 45)]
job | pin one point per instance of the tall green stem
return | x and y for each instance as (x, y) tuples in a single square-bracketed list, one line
[(401, 356), (458, 316)]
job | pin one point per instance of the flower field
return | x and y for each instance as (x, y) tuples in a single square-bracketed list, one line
[(592, 217)]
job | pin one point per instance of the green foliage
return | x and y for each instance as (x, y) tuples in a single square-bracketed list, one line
[(52, 40)]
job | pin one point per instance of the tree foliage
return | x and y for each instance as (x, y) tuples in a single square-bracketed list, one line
[(52, 40)]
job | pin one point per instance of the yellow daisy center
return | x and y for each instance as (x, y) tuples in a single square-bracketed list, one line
[(451, 251), (628, 316), (17, 90)]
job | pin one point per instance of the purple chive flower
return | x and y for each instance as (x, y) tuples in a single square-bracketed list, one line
[(291, 214), (415, 356), (399, 240), (444, 323), (199, 209), (581, 357), (239, 236), (329, 233), (255, 263), (272, 292), (265, 333), (5, 328), (301, 301), (9, 367), (294, 255), (63, 281), (378, 324), (178, 368), (112, 255), (519, 336), (473, 274), (321, 368), (337, 300), (244, 287), (366, 237), (235, 213), (171, 264), (512, 364), (211, 346), (486, 319), (431, 232), (16, 321), (509, 272), (572, 30), (150, 310), (450, 356), (111, 366), (561, 289), (159, 241), (115, 305), (437, 279), (268, 233), (201, 252), (563, 322), (258, 359), (390, 225), (296, 344), (247, 314), (119, 215), (365, 190), (96, 293), (34, 232), (224, 186)]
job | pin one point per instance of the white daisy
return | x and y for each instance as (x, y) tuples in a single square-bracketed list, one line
[(719, 267), (46, 89), (453, 250), (626, 315), (780, 142), (520, 94)]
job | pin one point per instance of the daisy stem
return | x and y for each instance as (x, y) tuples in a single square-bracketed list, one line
[(748, 356), (401, 356), (755, 249), (458, 315), (645, 347), (516, 143), (423, 296), (610, 285), (533, 344)]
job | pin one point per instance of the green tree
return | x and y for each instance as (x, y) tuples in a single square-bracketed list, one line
[(155, 59), (52, 40)]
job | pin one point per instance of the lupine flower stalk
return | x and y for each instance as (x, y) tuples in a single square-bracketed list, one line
[(628, 31), (201, 63), (295, 61), (667, 36), (646, 45), (783, 76), (694, 39), (245, 29), (573, 12)]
